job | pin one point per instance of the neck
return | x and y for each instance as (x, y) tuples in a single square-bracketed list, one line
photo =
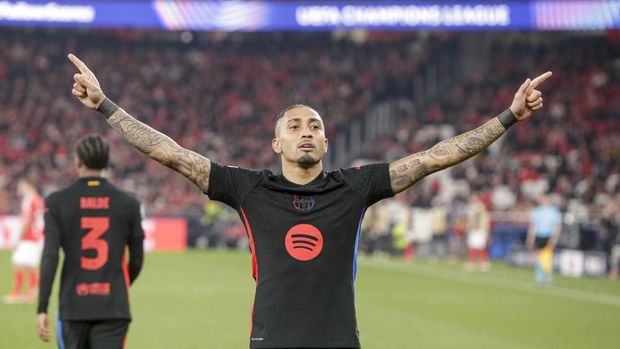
[(300, 175), (89, 173)]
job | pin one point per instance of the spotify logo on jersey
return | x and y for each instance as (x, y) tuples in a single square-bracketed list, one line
[(304, 242)]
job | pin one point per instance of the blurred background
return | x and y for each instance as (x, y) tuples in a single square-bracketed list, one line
[(389, 79), (384, 93)]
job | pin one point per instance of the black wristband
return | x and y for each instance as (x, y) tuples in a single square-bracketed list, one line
[(507, 118), (107, 108)]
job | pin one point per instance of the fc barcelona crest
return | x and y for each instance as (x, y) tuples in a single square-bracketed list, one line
[(304, 203)]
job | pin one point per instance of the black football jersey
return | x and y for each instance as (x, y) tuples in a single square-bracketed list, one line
[(304, 243), (94, 223)]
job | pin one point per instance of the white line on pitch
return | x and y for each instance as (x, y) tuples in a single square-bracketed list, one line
[(563, 292)]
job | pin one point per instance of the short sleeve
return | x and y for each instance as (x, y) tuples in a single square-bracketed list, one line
[(230, 184), (52, 228), (371, 181)]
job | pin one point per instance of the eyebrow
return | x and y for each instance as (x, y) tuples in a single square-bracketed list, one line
[(299, 120)]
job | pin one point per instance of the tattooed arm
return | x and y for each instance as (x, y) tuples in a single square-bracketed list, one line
[(449, 152), (162, 148), (152, 143)]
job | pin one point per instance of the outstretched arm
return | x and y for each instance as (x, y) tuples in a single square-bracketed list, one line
[(149, 141), (449, 152)]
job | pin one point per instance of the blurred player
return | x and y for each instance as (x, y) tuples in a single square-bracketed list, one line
[(478, 232), (93, 222), (542, 235), (304, 223), (614, 259), (28, 249)]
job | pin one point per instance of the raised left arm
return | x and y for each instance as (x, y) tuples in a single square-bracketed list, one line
[(449, 152)]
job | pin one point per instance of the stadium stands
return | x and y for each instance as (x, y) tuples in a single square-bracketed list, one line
[(218, 94)]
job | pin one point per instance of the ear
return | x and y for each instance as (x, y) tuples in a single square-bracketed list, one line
[(326, 145), (77, 163), (275, 145)]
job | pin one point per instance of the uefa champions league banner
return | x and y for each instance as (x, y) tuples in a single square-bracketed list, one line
[(160, 234), (313, 15)]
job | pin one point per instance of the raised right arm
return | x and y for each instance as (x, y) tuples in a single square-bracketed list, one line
[(149, 141), (162, 148)]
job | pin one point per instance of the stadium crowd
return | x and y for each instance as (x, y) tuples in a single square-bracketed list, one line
[(218, 94), (572, 151)]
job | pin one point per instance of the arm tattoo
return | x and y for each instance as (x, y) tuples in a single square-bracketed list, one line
[(456, 149), (405, 172), (408, 171), (162, 148)]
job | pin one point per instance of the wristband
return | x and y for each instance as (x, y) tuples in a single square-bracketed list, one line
[(107, 108), (507, 118)]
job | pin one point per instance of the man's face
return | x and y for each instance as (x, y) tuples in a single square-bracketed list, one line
[(300, 137)]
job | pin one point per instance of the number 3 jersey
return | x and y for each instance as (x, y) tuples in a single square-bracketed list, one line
[(94, 223), (304, 242)]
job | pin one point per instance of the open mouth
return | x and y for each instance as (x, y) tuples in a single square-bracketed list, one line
[(307, 146)]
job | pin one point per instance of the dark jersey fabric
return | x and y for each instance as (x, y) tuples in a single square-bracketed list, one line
[(93, 334), (93, 222), (304, 241)]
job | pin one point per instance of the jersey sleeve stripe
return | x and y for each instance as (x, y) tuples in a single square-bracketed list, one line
[(357, 244), (252, 247), (254, 262)]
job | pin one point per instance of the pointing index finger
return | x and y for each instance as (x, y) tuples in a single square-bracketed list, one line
[(539, 79), (79, 64)]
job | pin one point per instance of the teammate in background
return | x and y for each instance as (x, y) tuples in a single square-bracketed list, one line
[(304, 223), (614, 259), (93, 222), (478, 232), (542, 235), (27, 253)]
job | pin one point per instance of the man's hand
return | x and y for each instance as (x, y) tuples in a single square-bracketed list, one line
[(43, 327), (86, 87), (527, 99)]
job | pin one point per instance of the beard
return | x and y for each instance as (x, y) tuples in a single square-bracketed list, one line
[(306, 161)]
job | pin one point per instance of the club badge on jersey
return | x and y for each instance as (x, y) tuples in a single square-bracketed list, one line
[(304, 203)]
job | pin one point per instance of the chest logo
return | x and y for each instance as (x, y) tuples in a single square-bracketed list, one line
[(304, 203), (304, 242)]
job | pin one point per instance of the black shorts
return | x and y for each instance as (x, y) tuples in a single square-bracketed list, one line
[(540, 243), (98, 334)]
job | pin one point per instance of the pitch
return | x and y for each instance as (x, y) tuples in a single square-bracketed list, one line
[(203, 299)]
